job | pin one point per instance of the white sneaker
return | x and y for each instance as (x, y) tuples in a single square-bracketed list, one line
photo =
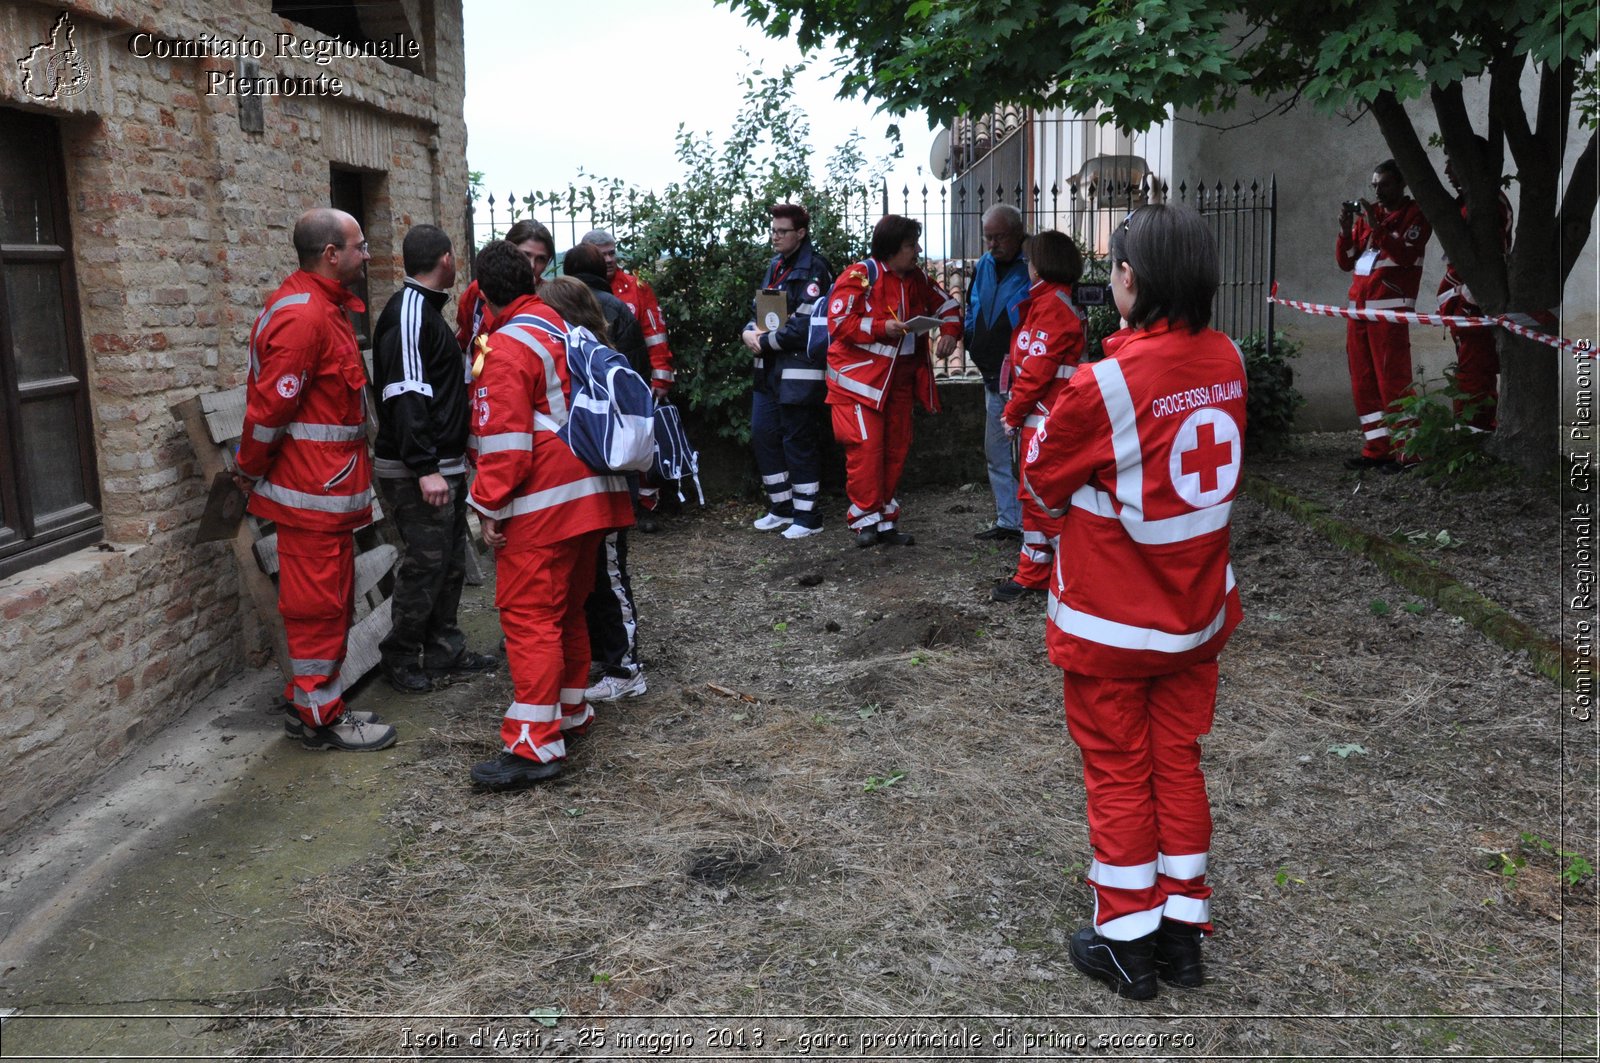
[(797, 531), (613, 688), (770, 522)]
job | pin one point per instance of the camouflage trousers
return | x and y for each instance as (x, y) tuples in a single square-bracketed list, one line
[(427, 585)]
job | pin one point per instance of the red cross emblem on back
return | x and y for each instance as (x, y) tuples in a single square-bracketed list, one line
[(1207, 457)]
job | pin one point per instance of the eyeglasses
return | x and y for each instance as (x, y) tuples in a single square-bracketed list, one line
[(783, 232), (363, 246)]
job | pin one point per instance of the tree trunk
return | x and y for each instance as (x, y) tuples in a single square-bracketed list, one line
[(1530, 413)]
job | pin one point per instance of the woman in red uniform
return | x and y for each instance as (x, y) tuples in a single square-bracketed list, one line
[(544, 511), (1044, 355), (1142, 455), (877, 369)]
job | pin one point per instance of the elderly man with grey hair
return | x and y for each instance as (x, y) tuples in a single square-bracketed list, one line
[(999, 282)]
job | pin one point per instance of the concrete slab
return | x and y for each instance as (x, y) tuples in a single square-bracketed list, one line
[(164, 899)]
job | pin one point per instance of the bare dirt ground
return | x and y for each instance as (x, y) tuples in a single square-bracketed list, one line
[(847, 820)]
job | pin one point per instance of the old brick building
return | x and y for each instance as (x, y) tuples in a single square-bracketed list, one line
[(153, 158)]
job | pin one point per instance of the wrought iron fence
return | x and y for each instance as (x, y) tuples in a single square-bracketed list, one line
[(1242, 216)]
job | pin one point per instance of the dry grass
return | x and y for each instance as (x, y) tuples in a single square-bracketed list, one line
[(709, 856)]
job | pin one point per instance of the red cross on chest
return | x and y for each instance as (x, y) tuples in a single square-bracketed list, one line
[(1207, 457)]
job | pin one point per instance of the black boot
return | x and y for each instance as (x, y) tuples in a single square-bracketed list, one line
[(1128, 967), (1178, 959)]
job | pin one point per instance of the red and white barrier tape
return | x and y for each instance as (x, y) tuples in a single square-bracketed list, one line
[(1411, 317)]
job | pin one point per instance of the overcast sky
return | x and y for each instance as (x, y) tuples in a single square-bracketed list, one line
[(602, 86)]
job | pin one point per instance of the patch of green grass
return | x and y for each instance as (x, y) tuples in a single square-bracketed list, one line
[(1283, 878), (875, 783)]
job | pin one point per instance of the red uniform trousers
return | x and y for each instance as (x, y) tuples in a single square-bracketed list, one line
[(1149, 817), (1380, 372), (1477, 366), (316, 597), (875, 446), (540, 590), (1040, 534)]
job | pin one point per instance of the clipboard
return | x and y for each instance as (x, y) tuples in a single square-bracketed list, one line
[(924, 323), (772, 309)]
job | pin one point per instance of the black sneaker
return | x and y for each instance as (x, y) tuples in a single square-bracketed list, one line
[(1007, 590), (350, 736), (469, 663), (407, 678), (997, 532), (1128, 967), (1178, 959), (1361, 461), (646, 524), (507, 771), (1392, 468), (294, 727), (896, 538), (867, 537)]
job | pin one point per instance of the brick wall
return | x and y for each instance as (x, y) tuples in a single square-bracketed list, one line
[(181, 226)]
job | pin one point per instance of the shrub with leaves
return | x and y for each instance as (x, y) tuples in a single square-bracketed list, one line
[(702, 242), (1425, 426), (1272, 401)]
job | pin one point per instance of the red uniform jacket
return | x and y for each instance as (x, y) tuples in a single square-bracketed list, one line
[(1391, 255), (527, 475), (1143, 453), (471, 316), (305, 436), (639, 298), (1044, 353), (861, 356), (1454, 295)]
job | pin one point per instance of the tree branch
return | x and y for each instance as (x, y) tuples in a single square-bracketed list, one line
[(1505, 103), (1577, 205)]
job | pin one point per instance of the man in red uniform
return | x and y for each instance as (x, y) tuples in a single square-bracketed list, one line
[(638, 297), (1142, 455), (1477, 361), (303, 460), (545, 512), (537, 246), (878, 368), (1383, 248)]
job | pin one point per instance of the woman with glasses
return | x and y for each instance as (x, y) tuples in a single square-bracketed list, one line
[(878, 366), (1141, 454), (788, 385)]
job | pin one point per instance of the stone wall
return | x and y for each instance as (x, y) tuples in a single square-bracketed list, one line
[(180, 223)]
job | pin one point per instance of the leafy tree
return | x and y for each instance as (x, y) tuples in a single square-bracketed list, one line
[(1136, 57), (702, 243)]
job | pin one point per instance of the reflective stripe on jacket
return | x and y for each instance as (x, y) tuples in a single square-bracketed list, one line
[(1142, 453), (641, 299), (862, 357), (783, 367), (304, 439), (1397, 244), (1044, 352), (528, 475)]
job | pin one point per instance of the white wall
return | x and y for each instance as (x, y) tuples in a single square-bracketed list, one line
[(1319, 161)]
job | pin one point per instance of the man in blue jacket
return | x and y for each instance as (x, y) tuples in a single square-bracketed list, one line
[(788, 386), (999, 283)]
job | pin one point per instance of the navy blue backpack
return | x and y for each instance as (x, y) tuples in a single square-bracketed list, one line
[(609, 423)]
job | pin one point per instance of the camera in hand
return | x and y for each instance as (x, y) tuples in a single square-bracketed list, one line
[(1353, 206), (1091, 294)]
